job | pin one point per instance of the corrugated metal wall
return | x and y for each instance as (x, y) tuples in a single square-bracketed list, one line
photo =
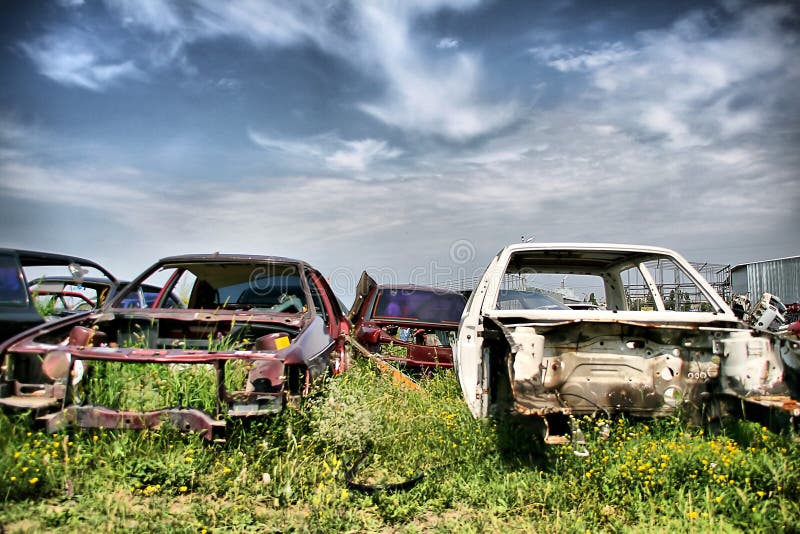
[(779, 277)]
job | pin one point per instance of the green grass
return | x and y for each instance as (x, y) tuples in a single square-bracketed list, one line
[(288, 473), (145, 387)]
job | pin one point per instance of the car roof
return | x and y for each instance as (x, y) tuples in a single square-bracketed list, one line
[(415, 287), (228, 257), (88, 280), (34, 258), (551, 257), (616, 247)]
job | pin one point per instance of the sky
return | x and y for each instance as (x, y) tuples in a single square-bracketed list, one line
[(412, 138)]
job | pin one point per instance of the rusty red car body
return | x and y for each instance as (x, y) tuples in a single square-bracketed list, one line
[(276, 316), (417, 322)]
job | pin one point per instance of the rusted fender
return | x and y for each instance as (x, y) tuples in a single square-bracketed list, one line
[(100, 417)]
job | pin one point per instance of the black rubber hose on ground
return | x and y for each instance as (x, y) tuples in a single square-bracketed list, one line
[(372, 488)]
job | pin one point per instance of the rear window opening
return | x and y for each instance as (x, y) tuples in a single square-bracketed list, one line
[(418, 305)]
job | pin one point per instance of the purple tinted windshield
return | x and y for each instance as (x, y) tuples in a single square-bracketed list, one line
[(418, 305)]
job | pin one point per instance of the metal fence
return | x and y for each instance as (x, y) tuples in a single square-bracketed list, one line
[(780, 277)]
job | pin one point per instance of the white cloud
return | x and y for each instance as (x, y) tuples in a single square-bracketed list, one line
[(431, 95), (446, 105), (82, 187), (689, 84), (448, 43), (157, 15), (295, 148), (435, 96), (70, 60), (604, 129), (566, 60), (279, 23), (495, 158), (358, 155), (661, 120), (733, 156), (230, 84), (336, 154)]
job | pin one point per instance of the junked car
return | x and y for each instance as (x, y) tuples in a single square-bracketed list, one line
[(27, 301), (227, 336), (58, 296), (659, 345), (407, 324), (62, 295)]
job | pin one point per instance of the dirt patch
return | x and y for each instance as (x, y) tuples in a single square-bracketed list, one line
[(181, 505), (18, 527)]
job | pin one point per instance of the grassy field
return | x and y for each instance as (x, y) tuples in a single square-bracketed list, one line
[(288, 474)]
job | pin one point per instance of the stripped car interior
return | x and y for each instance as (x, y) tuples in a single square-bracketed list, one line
[(227, 336), (655, 348)]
